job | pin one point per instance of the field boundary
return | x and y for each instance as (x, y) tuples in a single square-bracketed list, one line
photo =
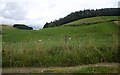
[(40, 70)]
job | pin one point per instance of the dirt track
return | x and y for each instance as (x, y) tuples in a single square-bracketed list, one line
[(40, 70)]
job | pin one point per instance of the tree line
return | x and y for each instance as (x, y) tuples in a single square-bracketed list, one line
[(83, 14), (22, 26)]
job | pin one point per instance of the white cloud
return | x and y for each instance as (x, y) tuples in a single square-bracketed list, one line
[(12, 10), (37, 12)]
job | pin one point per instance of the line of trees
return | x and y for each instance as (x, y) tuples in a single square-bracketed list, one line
[(83, 14), (22, 26)]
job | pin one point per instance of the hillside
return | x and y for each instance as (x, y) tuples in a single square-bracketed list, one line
[(82, 14), (93, 20), (62, 46)]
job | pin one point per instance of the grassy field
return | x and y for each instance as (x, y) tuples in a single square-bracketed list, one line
[(93, 20), (62, 46)]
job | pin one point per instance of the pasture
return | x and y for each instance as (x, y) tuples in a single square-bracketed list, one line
[(61, 46)]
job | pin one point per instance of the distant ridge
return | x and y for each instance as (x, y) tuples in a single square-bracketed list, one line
[(83, 14)]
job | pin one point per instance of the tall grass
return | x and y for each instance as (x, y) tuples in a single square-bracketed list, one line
[(60, 46), (44, 54)]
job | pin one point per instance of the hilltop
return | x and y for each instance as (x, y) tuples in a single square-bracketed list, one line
[(83, 14), (92, 20)]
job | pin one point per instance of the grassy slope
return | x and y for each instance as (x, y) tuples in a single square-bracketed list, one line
[(60, 46), (92, 20)]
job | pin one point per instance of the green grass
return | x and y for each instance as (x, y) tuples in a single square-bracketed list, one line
[(85, 70), (91, 68), (97, 70), (88, 21), (60, 46)]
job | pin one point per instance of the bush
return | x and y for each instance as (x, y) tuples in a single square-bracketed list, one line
[(22, 26)]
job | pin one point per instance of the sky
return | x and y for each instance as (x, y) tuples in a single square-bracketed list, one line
[(36, 13)]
